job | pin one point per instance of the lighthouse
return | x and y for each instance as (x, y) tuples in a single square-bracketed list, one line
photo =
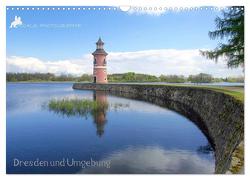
[(100, 63)]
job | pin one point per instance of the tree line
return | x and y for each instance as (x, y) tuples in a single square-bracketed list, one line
[(16, 77), (125, 77)]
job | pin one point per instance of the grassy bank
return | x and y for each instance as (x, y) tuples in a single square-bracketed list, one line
[(236, 91)]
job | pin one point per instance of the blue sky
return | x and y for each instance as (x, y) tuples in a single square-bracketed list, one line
[(122, 32)]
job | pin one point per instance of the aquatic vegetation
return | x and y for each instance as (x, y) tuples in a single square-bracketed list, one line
[(77, 107), (82, 107)]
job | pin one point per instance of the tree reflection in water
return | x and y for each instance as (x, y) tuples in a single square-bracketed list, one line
[(207, 149)]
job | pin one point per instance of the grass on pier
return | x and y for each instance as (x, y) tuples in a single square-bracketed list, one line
[(236, 91)]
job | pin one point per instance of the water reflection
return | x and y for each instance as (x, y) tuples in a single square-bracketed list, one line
[(153, 159), (136, 136), (207, 149), (97, 108), (171, 105), (100, 115)]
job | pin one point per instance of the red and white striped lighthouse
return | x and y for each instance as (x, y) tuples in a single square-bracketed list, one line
[(100, 70)]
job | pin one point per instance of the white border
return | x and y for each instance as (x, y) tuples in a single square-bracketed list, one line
[(155, 3)]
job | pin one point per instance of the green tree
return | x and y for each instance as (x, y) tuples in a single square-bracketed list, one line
[(86, 78), (172, 78), (231, 28), (200, 78), (130, 76)]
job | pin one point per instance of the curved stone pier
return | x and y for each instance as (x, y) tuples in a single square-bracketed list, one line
[(219, 116)]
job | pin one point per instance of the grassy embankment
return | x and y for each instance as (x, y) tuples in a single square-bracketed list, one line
[(236, 91)]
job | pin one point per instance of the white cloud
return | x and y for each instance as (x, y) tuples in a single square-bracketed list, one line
[(32, 65), (153, 159), (168, 61), (156, 62)]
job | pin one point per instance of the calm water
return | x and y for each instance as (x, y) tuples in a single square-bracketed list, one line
[(130, 137)]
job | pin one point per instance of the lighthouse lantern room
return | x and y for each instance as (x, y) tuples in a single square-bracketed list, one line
[(100, 64)]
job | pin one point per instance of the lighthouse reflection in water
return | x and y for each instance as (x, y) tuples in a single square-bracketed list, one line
[(100, 115)]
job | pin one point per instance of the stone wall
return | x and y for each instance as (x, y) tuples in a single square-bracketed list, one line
[(220, 116)]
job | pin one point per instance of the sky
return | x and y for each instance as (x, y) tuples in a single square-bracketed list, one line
[(141, 41)]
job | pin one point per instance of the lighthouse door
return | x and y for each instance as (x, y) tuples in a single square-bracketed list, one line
[(94, 79)]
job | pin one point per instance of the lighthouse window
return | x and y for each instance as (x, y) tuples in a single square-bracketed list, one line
[(95, 61), (104, 61)]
